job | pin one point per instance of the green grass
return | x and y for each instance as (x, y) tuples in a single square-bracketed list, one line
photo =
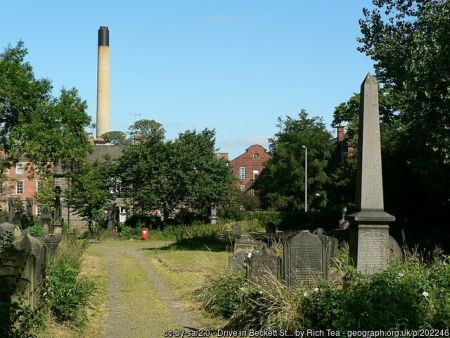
[(185, 271)]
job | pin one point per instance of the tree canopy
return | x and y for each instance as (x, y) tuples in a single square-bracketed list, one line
[(282, 183), (33, 123)]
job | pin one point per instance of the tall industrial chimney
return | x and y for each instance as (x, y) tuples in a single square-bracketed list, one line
[(103, 96)]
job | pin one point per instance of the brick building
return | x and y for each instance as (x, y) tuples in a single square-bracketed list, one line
[(249, 165), (21, 183)]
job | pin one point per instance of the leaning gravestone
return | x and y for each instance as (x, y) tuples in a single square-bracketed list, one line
[(238, 261), (246, 243), (242, 248), (303, 259), (236, 234), (263, 265), (369, 230)]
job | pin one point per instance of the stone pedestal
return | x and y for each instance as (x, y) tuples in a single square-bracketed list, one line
[(51, 243), (369, 247)]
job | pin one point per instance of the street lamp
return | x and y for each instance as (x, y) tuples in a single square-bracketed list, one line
[(306, 177)]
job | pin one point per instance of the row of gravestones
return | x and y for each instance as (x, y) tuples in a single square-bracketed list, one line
[(307, 257)]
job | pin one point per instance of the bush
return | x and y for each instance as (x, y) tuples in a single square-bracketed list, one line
[(410, 294), (36, 230), (127, 232), (67, 293), (222, 295)]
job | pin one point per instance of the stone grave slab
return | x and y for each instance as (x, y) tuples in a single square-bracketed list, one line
[(303, 259)]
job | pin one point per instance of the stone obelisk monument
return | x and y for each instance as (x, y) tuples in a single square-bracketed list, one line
[(103, 92), (369, 225)]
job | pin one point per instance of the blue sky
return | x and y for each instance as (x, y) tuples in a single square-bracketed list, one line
[(231, 65)]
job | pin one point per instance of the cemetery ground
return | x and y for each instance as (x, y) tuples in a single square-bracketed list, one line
[(143, 288)]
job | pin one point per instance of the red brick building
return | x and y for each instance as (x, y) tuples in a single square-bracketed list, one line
[(249, 165), (21, 183)]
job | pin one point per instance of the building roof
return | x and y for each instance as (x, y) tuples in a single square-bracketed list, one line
[(103, 151)]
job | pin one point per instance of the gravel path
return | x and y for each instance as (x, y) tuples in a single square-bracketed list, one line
[(139, 303)]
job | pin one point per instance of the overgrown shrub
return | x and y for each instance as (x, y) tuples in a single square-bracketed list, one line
[(67, 293), (222, 294), (410, 294)]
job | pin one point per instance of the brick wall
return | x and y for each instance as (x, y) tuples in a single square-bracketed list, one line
[(253, 160)]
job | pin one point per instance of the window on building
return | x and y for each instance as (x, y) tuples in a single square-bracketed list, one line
[(242, 187), (19, 187), (19, 168), (242, 173), (255, 155), (39, 210), (255, 174), (39, 185)]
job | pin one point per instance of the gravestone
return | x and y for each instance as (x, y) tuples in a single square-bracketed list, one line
[(395, 251), (51, 243), (8, 232), (24, 270), (57, 219), (11, 211), (369, 234), (245, 243), (238, 261), (30, 209), (236, 234), (271, 229), (329, 250), (303, 259), (263, 265), (243, 246)]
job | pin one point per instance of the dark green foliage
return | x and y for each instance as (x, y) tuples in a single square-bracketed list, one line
[(181, 178), (67, 293), (410, 294), (326, 219), (89, 192), (409, 42), (34, 124), (282, 184), (222, 295), (116, 138)]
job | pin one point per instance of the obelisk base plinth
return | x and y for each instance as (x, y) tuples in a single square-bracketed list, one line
[(369, 240)]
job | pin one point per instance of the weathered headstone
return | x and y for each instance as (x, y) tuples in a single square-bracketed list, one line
[(30, 209), (369, 241), (238, 261), (8, 232), (245, 243), (271, 229), (51, 243), (303, 259), (329, 251), (395, 251), (262, 265), (57, 220), (11, 211), (236, 234)]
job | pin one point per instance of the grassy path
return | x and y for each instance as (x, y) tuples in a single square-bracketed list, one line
[(142, 291)]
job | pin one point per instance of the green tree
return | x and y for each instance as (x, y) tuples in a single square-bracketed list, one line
[(45, 194), (410, 44), (90, 189), (33, 123), (116, 138), (282, 183), (177, 177), (197, 178)]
